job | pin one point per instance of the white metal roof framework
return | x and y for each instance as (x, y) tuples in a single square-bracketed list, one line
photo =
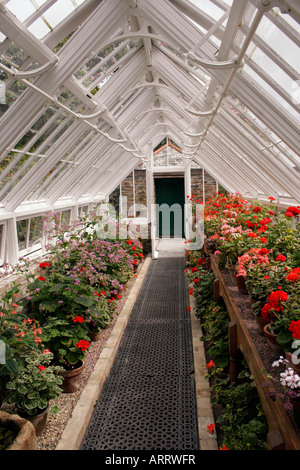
[(219, 77)]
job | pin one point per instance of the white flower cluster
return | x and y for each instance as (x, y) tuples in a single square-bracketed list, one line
[(290, 379), (281, 360)]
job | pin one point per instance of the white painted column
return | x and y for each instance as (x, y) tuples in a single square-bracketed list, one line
[(133, 194), (188, 190), (74, 213), (151, 208), (12, 250), (203, 185)]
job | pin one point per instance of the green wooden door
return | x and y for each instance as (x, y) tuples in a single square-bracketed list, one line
[(170, 207)]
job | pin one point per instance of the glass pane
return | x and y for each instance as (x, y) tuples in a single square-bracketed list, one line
[(22, 227), (209, 8), (65, 217), (22, 10), (36, 230), (59, 11), (39, 28), (14, 55), (279, 42), (271, 91), (11, 94)]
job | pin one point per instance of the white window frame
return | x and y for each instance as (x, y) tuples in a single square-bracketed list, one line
[(36, 248)]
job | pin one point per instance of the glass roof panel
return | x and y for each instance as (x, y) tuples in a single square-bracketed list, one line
[(209, 8), (58, 12), (39, 28), (272, 92), (22, 10), (52, 17), (279, 42), (288, 19)]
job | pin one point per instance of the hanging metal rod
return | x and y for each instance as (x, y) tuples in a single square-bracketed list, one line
[(81, 117), (256, 20)]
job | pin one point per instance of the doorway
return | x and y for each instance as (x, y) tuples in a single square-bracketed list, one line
[(169, 207)]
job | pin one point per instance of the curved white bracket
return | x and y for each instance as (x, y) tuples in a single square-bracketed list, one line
[(210, 64), (201, 113), (190, 146), (194, 135), (92, 116), (29, 74)]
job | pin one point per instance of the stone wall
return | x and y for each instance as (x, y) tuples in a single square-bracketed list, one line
[(197, 184), (140, 187)]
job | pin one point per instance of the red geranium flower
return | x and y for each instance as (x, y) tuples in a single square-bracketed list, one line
[(44, 265), (210, 428), (294, 275), (83, 345), (41, 278), (263, 251), (281, 258), (210, 365), (295, 329), (78, 319)]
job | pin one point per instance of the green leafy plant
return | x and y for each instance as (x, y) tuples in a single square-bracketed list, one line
[(242, 420), (67, 341), (215, 326), (36, 384)]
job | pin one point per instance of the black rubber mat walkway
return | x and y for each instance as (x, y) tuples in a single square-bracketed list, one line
[(148, 399)]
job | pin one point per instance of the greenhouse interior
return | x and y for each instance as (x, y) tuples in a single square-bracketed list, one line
[(149, 227)]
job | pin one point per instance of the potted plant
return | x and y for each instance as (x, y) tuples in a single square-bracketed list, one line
[(16, 433), (99, 315), (32, 389), (27, 380), (68, 340), (280, 311)]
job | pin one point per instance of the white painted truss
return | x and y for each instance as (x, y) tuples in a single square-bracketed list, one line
[(90, 87)]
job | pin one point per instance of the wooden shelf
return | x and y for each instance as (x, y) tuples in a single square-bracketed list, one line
[(282, 434)]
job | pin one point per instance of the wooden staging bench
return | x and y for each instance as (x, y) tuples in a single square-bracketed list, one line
[(282, 434)]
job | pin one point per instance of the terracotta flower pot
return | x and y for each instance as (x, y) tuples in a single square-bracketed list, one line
[(274, 347), (261, 323), (39, 420), (71, 378), (25, 438), (242, 288), (95, 336)]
